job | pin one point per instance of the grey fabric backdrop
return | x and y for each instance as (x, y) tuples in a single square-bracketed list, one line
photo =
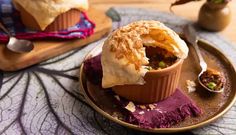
[(45, 98)]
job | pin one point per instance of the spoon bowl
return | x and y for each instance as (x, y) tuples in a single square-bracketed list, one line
[(204, 86), (17, 45), (192, 37)]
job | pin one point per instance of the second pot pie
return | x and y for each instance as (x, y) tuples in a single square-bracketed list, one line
[(50, 15)]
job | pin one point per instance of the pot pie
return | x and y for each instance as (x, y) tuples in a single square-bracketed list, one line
[(142, 61), (50, 15)]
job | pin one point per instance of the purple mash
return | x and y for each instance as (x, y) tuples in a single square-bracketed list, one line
[(93, 69), (162, 114)]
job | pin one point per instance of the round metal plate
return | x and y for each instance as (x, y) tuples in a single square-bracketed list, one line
[(213, 105)]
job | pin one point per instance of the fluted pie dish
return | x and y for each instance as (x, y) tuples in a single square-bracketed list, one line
[(159, 84)]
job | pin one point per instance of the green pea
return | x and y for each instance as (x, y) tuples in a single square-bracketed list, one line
[(211, 85), (162, 64), (148, 68)]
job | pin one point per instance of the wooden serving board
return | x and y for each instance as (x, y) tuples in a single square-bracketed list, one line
[(43, 50)]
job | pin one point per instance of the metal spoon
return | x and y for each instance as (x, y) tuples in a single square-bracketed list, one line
[(17, 45), (192, 37)]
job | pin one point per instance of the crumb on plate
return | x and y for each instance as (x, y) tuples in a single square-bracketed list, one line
[(191, 85)]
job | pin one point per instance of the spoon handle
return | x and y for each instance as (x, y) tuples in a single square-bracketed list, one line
[(202, 62), (4, 29), (192, 37)]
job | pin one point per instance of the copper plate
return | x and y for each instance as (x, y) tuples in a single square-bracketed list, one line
[(213, 105)]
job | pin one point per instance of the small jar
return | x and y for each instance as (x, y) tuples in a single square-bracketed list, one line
[(213, 16)]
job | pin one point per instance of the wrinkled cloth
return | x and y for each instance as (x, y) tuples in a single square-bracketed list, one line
[(12, 21), (162, 114)]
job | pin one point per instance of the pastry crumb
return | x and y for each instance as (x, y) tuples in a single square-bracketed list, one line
[(158, 110), (151, 106), (131, 107), (142, 112), (142, 106), (191, 85)]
